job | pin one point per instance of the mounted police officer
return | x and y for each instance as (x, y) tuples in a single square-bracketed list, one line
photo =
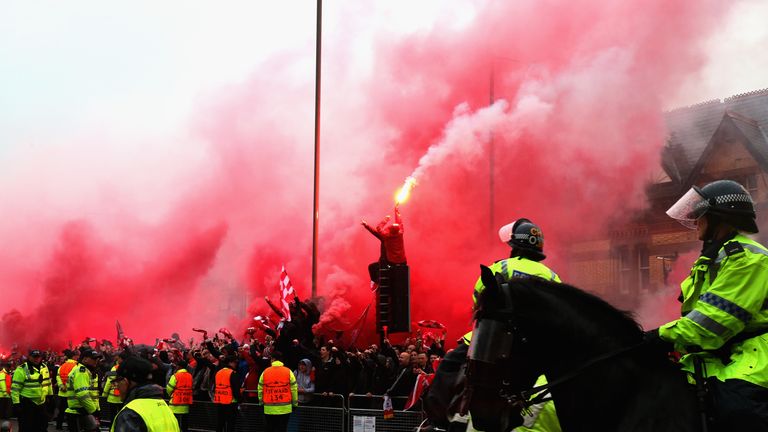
[(725, 304), (525, 260)]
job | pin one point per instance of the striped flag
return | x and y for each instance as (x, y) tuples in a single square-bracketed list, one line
[(286, 293)]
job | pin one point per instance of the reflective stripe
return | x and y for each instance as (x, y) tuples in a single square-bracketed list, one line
[(504, 268), (279, 404), (708, 323), (554, 275), (726, 306), (750, 247)]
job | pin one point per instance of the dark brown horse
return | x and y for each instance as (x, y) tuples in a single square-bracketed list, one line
[(602, 377)]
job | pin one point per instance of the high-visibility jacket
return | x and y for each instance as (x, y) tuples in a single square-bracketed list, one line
[(514, 267), (85, 391), (223, 393), (31, 383), (278, 390), (110, 390), (155, 413), (5, 384), (725, 307), (62, 377), (179, 389), (517, 267), (541, 417)]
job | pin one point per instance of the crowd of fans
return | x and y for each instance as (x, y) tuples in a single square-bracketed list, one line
[(324, 369)]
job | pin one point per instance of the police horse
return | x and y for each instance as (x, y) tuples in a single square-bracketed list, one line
[(601, 376)]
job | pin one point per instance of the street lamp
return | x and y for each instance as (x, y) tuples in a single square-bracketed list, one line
[(667, 261)]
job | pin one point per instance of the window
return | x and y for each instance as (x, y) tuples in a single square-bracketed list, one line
[(644, 268), (624, 268), (750, 182)]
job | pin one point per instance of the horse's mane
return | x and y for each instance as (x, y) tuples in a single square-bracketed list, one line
[(574, 304)]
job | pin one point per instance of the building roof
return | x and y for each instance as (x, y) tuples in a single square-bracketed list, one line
[(692, 128)]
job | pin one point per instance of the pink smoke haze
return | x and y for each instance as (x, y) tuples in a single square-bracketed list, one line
[(575, 131)]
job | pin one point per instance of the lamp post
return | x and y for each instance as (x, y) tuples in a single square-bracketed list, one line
[(315, 209), (666, 261)]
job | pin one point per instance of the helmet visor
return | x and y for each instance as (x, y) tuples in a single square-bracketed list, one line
[(689, 208), (505, 232)]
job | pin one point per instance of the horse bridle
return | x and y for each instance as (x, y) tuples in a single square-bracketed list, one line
[(524, 399)]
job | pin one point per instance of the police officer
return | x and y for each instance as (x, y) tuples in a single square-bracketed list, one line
[(110, 391), (527, 242), (5, 396), (525, 260), (83, 401), (144, 409), (279, 394), (226, 395), (179, 389), (30, 386), (725, 304), (65, 391)]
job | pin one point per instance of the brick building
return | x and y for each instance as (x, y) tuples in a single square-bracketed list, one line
[(713, 140)]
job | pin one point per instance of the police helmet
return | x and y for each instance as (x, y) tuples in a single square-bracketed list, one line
[(726, 199), (526, 236), (90, 353)]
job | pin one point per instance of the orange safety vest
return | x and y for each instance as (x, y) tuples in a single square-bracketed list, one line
[(182, 395), (223, 393), (8, 382), (277, 385), (64, 371)]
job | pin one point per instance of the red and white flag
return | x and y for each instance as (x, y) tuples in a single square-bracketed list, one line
[(286, 293), (422, 382)]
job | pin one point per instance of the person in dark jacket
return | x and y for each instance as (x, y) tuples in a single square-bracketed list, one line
[(142, 399)]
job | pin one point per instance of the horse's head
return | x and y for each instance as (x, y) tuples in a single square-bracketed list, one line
[(499, 368)]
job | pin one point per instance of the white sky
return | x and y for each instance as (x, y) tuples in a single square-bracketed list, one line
[(138, 69), (738, 58)]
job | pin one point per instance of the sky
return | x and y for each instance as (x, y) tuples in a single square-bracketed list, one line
[(156, 159)]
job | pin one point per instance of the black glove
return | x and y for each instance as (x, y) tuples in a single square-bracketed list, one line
[(16, 409), (654, 342)]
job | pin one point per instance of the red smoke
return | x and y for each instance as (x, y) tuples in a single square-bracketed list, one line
[(576, 130)]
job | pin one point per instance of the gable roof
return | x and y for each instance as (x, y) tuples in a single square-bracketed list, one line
[(691, 129), (749, 133)]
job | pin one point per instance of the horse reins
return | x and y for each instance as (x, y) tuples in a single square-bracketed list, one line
[(527, 398)]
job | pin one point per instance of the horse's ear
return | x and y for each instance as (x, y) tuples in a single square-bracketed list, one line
[(488, 278)]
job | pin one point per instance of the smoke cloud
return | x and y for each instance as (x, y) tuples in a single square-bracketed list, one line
[(565, 98)]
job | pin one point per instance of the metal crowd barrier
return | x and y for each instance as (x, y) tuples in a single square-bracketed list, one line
[(358, 413), (366, 413)]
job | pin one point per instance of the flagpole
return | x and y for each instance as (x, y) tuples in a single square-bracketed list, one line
[(315, 210)]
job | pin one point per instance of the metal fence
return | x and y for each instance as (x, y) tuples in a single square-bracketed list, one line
[(358, 413), (365, 414)]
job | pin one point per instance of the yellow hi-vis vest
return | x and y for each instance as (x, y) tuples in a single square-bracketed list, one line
[(85, 391), (34, 386), (110, 389), (5, 384), (155, 413), (510, 268)]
